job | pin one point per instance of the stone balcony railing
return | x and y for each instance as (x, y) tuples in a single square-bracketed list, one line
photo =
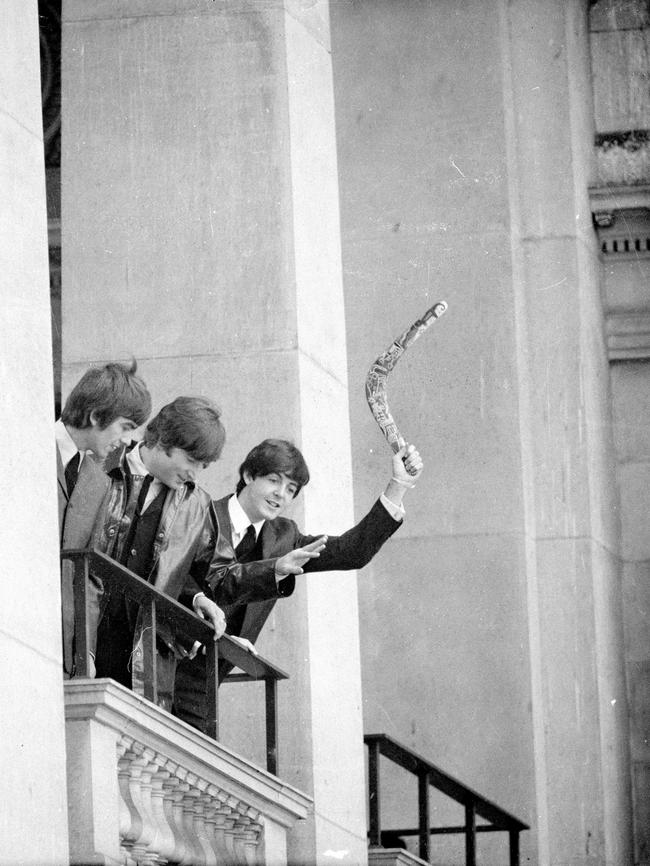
[(144, 788)]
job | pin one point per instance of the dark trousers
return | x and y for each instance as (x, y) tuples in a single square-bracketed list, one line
[(190, 702)]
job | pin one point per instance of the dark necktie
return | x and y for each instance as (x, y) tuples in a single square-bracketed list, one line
[(146, 484), (246, 546), (72, 473)]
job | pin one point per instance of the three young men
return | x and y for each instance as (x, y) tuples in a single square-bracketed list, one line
[(104, 406), (148, 513), (260, 552)]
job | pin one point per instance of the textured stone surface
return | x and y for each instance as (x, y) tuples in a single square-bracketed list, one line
[(468, 181), (33, 820)]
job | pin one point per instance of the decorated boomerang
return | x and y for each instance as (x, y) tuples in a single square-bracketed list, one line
[(378, 374)]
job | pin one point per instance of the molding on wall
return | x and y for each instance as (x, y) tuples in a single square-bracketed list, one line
[(621, 216), (628, 335)]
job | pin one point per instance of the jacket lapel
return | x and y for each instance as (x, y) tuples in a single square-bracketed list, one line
[(223, 519), (60, 475), (84, 504)]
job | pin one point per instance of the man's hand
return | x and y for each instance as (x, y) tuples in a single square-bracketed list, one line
[(244, 643), (407, 468), (292, 562), (211, 612), (407, 465)]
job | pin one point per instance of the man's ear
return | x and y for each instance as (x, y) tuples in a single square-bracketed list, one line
[(93, 418), (247, 477)]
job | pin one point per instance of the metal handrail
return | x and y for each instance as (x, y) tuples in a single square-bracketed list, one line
[(156, 606), (429, 775)]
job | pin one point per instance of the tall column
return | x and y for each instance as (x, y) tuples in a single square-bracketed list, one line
[(579, 695), (491, 624), (33, 817), (200, 234)]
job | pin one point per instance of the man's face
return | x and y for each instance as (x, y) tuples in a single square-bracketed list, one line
[(173, 469), (103, 441), (266, 496)]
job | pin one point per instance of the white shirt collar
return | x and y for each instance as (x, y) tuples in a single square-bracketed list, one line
[(134, 459), (240, 521), (65, 444)]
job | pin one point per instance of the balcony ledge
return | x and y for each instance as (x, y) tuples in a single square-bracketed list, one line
[(144, 787)]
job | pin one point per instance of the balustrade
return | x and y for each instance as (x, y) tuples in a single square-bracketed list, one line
[(144, 788)]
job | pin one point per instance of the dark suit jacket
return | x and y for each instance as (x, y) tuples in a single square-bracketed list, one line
[(248, 590), (247, 593), (78, 515)]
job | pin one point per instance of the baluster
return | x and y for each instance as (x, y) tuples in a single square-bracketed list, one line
[(141, 796), (252, 836), (239, 837), (424, 821), (149, 654), (128, 783), (194, 855), (149, 839), (470, 834), (251, 844), (514, 847), (212, 689), (81, 625), (222, 822), (203, 805), (210, 822), (228, 824), (177, 788), (271, 695), (164, 842), (373, 794)]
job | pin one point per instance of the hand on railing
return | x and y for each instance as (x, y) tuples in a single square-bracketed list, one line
[(244, 643), (208, 610)]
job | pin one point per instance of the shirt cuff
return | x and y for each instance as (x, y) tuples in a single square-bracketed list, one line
[(396, 511), (196, 646)]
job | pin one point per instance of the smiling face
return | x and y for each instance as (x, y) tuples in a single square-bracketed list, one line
[(101, 441), (266, 496), (173, 469)]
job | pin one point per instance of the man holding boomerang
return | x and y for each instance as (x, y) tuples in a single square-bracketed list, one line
[(252, 529)]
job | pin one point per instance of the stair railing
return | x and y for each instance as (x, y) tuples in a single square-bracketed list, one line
[(156, 606), (430, 776)]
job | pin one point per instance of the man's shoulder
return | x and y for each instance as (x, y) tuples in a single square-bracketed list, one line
[(92, 472), (197, 498), (281, 526)]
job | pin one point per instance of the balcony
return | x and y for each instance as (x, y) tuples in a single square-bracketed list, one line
[(145, 788)]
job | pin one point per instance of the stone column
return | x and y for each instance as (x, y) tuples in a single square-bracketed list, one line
[(572, 533), (491, 624), (33, 817), (200, 234)]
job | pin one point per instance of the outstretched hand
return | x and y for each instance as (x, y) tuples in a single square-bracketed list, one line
[(292, 562)]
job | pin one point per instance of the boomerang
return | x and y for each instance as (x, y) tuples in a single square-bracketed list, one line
[(385, 363)]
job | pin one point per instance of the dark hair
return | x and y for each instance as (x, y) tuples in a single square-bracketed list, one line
[(189, 423), (112, 391), (275, 455)]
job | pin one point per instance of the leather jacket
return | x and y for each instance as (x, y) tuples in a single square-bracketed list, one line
[(182, 553)]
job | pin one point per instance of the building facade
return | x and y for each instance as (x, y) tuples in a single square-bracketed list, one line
[(256, 198)]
